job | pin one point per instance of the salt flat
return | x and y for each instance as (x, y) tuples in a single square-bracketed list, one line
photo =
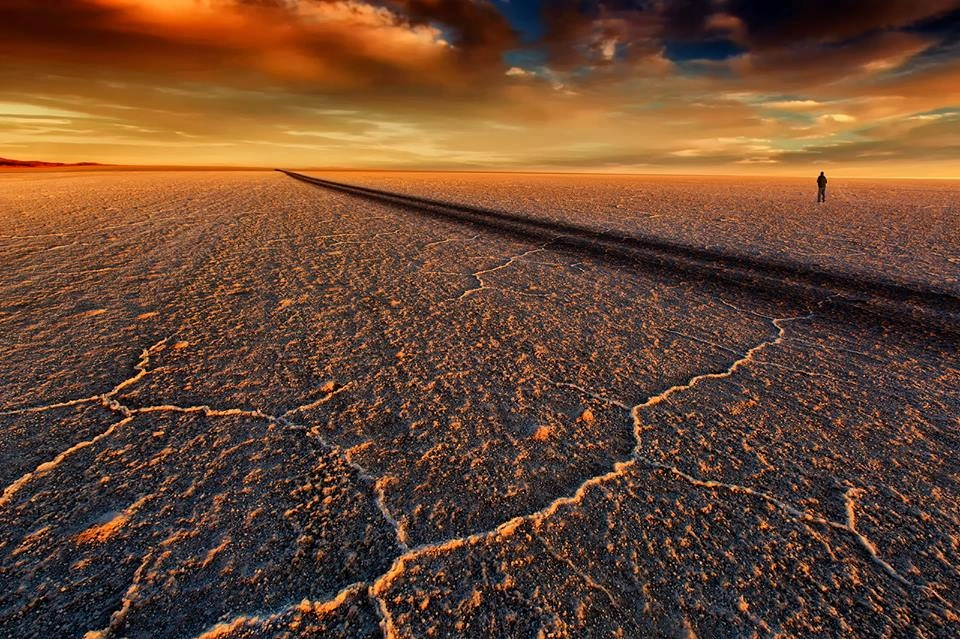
[(242, 405)]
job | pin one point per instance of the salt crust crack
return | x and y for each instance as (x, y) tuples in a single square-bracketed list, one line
[(376, 589)]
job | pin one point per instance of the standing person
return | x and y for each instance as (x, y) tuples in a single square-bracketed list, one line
[(821, 188)]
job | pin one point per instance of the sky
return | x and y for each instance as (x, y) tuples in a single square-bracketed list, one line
[(862, 88)]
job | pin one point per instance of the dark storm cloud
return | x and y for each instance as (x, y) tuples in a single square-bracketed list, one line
[(730, 27), (777, 24), (478, 29), (813, 64), (686, 19), (576, 32)]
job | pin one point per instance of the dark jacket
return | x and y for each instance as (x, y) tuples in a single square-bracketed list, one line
[(822, 181)]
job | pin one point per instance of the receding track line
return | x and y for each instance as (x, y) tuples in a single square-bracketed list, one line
[(940, 306)]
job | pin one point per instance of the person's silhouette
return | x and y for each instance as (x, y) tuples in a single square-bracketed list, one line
[(821, 188)]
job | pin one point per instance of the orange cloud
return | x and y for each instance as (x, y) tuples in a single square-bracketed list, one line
[(331, 43)]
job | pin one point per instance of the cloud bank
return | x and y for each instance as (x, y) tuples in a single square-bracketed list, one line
[(642, 85)]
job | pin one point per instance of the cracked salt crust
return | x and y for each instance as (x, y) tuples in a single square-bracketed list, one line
[(642, 332)]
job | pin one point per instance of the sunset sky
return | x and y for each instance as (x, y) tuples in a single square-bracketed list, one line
[(853, 87)]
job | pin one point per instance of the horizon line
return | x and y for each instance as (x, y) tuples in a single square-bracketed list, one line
[(95, 166)]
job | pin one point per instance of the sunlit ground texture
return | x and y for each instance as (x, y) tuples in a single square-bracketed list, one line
[(243, 405)]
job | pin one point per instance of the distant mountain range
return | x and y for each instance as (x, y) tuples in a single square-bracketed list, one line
[(40, 165)]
